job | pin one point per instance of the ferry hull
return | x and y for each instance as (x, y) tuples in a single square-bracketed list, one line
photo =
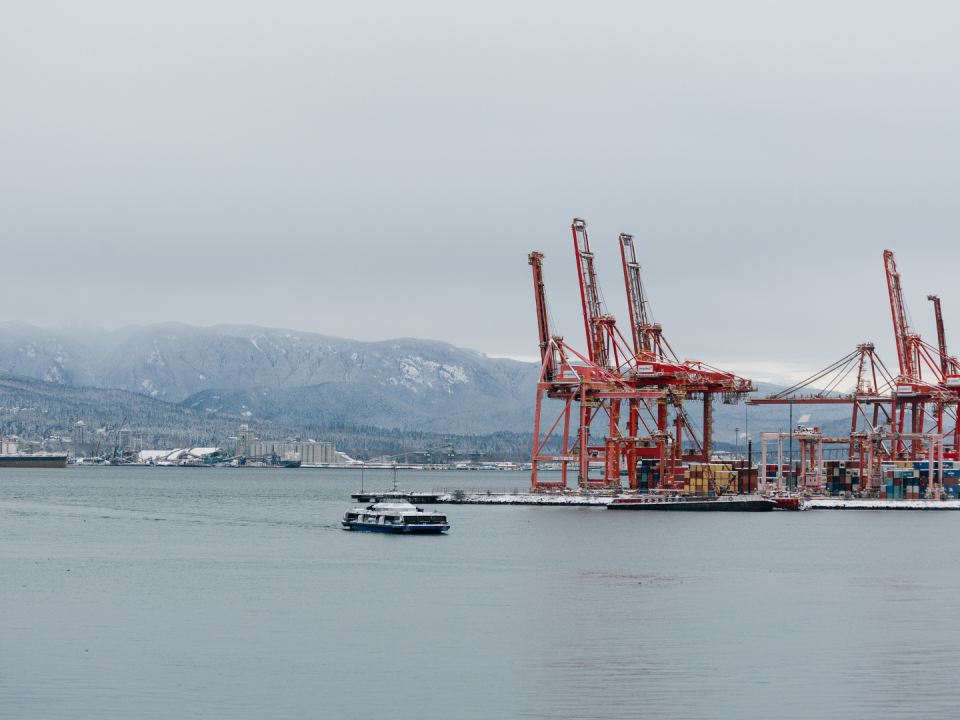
[(397, 529), (753, 504)]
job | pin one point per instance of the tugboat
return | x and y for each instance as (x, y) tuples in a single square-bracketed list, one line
[(393, 513), (788, 501)]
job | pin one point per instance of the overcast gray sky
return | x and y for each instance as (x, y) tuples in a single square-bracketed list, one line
[(377, 170)]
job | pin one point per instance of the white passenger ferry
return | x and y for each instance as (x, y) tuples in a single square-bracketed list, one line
[(394, 514)]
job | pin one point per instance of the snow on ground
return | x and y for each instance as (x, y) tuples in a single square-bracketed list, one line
[(170, 455), (148, 455), (528, 499), (603, 500), (840, 504)]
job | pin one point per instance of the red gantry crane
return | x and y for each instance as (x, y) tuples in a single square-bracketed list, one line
[(877, 386), (911, 388), (651, 365), (570, 377), (873, 383), (613, 373)]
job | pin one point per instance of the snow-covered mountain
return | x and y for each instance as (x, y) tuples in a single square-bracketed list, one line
[(241, 369), (306, 379)]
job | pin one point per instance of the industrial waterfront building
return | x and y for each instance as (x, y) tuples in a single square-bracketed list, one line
[(309, 453)]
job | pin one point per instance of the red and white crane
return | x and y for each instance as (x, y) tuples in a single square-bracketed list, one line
[(926, 398), (931, 399), (688, 380), (612, 373)]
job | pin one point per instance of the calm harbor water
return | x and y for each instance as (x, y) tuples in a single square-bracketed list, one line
[(162, 593)]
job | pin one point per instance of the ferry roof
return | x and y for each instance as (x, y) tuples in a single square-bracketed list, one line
[(392, 507)]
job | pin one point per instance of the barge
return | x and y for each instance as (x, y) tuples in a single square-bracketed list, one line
[(725, 503), (33, 460)]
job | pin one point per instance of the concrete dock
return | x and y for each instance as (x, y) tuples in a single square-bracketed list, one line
[(602, 500)]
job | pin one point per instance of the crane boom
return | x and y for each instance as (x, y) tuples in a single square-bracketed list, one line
[(941, 335), (636, 299), (905, 351), (594, 316), (535, 259)]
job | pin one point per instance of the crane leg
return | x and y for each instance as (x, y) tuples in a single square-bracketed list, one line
[(707, 426)]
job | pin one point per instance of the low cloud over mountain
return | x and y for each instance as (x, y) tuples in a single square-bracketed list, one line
[(302, 377)]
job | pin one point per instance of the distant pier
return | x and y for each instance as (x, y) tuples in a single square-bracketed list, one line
[(424, 498)]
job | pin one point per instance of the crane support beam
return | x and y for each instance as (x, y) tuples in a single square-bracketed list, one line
[(707, 426)]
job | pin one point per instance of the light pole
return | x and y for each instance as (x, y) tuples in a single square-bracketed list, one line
[(736, 441)]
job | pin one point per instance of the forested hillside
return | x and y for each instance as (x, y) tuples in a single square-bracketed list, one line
[(176, 382), (35, 409)]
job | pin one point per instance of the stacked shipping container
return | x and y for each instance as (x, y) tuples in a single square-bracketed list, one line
[(706, 479), (901, 480), (648, 475), (907, 480), (841, 477)]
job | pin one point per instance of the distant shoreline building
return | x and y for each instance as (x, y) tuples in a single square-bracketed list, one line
[(309, 453), (81, 435), (245, 436)]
